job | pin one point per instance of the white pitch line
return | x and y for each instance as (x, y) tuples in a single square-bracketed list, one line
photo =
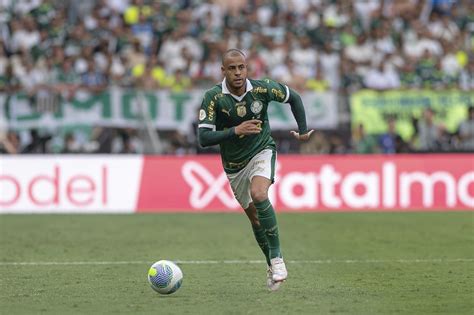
[(236, 262)]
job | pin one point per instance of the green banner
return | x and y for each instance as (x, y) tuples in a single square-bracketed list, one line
[(372, 109), (117, 107)]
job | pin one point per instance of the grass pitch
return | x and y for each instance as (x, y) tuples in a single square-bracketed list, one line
[(342, 263)]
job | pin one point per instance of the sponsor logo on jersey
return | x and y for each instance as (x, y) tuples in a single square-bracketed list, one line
[(278, 93), (260, 89), (210, 110), (256, 107)]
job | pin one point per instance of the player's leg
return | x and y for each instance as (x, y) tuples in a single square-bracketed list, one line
[(261, 238), (258, 231), (240, 184), (261, 179), (266, 214)]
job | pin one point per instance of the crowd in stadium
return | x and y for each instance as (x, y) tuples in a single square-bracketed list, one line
[(318, 45)]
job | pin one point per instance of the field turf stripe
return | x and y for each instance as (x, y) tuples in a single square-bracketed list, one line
[(231, 262)]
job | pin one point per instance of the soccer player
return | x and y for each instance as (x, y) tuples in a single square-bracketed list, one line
[(233, 114)]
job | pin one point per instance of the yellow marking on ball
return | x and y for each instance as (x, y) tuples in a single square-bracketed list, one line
[(152, 272)]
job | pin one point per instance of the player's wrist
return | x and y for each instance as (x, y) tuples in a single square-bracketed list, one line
[(235, 131)]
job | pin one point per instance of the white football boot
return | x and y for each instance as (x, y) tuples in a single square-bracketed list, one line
[(272, 285), (279, 272)]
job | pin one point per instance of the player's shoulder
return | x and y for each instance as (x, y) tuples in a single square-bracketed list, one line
[(263, 83), (260, 86), (260, 82), (276, 90), (214, 93)]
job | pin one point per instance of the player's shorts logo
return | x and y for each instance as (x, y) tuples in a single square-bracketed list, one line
[(202, 114), (241, 110), (256, 107)]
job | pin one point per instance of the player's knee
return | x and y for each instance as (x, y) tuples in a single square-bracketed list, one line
[(258, 194)]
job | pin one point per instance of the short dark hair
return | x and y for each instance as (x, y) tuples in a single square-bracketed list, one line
[(232, 52)]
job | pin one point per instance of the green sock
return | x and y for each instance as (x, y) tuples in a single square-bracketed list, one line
[(266, 216), (259, 233)]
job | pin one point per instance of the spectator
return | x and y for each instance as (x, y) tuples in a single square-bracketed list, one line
[(211, 68), (135, 55), (428, 132), (363, 51), (336, 145), (25, 34), (319, 83), (38, 143), (418, 40), (363, 143), (117, 70), (9, 142), (351, 79), (391, 142), (179, 82), (143, 31), (466, 131), (426, 68), (68, 80), (257, 68), (94, 80), (409, 77), (329, 62), (127, 142), (317, 144), (70, 144), (466, 76), (443, 28), (304, 58), (382, 77)]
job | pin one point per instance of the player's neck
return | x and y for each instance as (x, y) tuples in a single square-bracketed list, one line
[(238, 92)]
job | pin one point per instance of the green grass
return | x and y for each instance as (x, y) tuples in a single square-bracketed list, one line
[(393, 284)]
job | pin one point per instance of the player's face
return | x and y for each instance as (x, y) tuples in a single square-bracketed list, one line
[(235, 71)]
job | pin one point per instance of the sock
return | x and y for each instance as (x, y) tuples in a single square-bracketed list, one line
[(266, 216), (259, 233)]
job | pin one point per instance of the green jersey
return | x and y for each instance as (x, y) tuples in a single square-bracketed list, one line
[(221, 110)]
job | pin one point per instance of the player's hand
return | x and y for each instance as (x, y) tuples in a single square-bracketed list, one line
[(249, 127), (303, 137)]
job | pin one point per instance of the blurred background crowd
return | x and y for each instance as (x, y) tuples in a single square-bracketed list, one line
[(64, 46)]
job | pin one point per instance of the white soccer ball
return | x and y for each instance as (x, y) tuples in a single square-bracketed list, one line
[(165, 277)]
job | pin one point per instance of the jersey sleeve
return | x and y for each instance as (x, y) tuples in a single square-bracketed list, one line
[(207, 112), (277, 91)]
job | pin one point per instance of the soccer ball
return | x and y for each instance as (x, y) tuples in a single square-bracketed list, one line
[(165, 277)]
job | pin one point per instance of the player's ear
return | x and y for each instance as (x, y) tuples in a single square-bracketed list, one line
[(223, 69)]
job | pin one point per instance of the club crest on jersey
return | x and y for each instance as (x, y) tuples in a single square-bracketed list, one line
[(256, 107), (241, 110)]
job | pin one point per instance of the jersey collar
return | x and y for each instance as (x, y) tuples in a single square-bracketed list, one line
[(248, 88)]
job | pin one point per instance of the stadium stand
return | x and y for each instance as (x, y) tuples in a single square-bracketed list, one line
[(54, 50)]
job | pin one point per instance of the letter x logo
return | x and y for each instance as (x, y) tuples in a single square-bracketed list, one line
[(202, 195)]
